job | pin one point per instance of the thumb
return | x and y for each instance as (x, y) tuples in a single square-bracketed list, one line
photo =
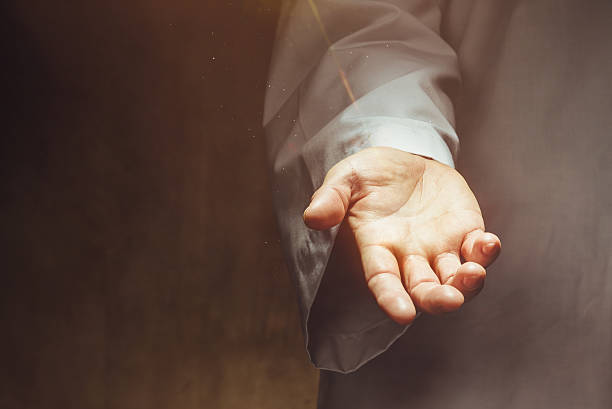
[(329, 203)]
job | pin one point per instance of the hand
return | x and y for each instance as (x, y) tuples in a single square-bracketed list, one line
[(413, 220)]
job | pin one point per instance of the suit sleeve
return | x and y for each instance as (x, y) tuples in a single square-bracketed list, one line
[(347, 75)]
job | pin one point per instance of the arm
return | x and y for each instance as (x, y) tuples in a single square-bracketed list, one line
[(394, 63), (385, 83)]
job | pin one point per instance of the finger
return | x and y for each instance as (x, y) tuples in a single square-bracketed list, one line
[(425, 289), (480, 247), (446, 266), (329, 203), (384, 281), (469, 279)]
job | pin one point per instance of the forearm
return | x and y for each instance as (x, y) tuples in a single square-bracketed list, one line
[(384, 82), (389, 59)]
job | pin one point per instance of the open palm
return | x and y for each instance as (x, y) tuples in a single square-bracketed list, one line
[(414, 220)]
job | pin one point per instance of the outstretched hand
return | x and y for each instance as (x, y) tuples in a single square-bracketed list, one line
[(414, 221)]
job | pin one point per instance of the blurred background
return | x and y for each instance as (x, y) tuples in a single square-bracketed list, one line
[(141, 265)]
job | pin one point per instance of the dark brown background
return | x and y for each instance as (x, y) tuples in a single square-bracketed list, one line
[(140, 259)]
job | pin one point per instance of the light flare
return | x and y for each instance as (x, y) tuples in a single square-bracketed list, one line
[(343, 77)]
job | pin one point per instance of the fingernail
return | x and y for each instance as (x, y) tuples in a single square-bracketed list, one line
[(471, 283), (489, 248)]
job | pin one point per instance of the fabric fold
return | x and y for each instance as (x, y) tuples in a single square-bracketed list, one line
[(400, 73)]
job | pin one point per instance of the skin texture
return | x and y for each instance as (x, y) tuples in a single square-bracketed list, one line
[(417, 225)]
